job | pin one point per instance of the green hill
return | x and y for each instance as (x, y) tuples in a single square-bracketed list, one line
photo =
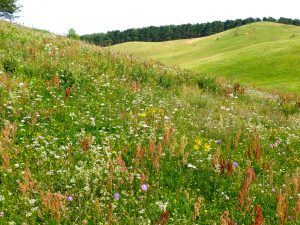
[(91, 136), (262, 54)]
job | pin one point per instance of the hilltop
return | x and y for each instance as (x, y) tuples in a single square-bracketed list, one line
[(93, 136), (262, 54), (175, 32)]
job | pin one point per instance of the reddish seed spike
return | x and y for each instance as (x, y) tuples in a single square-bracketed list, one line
[(230, 168), (164, 218), (259, 219)]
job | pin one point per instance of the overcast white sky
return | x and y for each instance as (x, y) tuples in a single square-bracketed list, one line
[(93, 16)]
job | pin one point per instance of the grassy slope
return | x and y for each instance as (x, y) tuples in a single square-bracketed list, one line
[(126, 122), (262, 54)]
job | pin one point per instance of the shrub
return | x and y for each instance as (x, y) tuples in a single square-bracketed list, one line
[(289, 109), (66, 78), (72, 34), (207, 84), (10, 65), (164, 81)]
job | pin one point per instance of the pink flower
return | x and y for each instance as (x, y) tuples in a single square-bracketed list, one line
[(144, 187), (70, 198)]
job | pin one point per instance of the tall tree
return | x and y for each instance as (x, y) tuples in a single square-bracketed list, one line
[(72, 34), (8, 8)]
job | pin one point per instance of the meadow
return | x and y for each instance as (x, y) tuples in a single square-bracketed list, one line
[(93, 136), (262, 54)]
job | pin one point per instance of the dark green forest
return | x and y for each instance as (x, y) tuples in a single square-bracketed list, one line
[(174, 32)]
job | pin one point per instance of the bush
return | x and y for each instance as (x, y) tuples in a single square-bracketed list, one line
[(164, 81), (67, 79), (72, 34), (207, 84), (10, 65), (289, 109)]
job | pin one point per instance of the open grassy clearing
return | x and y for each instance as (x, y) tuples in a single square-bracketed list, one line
[(262, 54)]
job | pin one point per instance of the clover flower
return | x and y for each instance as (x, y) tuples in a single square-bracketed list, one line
[(117, 196), (144, 187), (70, 198)]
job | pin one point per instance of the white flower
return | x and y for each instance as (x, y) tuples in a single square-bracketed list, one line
[(2, 198), (72, 115), (32, 201), (162, 205), (191, 166), (87, 188), (93, 121)]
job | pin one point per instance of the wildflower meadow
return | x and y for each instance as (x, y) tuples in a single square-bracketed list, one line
[(93, 136)]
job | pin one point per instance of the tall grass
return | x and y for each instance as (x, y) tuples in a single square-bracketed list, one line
[(90, 136)]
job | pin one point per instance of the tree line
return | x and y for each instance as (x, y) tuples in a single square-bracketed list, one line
[(174, 32)]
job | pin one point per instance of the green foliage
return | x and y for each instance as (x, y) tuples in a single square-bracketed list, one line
[(72, 34), (289, 109), (207, 84), (8, 7), (10, 65), (66, 78), (165, 81)]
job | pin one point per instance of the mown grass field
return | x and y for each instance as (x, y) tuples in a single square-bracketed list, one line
[(91, 136), (262, 54)]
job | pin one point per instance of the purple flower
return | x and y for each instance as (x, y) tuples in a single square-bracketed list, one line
[(117, 196), (70, 198), (235, 164), (144, 187)]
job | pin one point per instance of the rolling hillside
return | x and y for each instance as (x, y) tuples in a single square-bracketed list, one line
[(261, 54), (91, 136)]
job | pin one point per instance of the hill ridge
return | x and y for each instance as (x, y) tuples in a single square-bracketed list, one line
[(175, 32), (218, 54)]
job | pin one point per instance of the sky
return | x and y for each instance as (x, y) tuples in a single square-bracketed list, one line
[(94, 16)]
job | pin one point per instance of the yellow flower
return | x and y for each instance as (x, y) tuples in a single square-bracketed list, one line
[(198, 141), (196, 147), (142, 115), (206, 147)]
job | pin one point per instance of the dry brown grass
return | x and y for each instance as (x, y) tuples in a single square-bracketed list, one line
[(225, 220), (55, 203), (28, 183)]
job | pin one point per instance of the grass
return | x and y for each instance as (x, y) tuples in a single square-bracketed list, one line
[(261, 54), (92, 136)]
